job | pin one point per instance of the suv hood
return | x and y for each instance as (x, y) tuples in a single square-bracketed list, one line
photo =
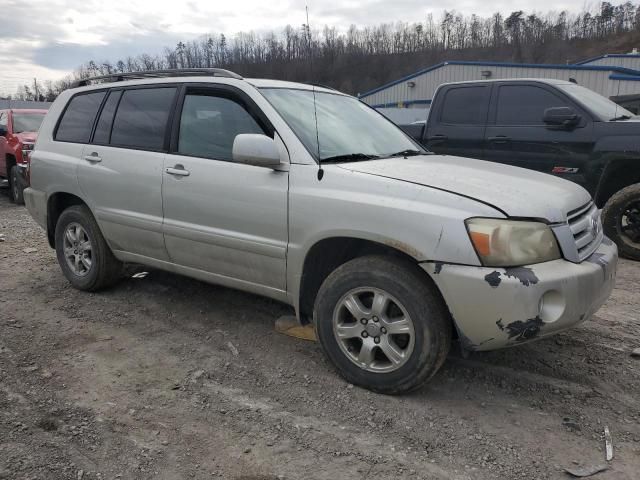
[(515, 191)]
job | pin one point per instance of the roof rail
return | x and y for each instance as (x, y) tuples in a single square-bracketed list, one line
[(176, 72)]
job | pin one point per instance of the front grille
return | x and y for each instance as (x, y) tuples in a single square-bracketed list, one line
[(586, 227)]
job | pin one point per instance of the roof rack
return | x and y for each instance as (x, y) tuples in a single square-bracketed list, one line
[(176, 72)]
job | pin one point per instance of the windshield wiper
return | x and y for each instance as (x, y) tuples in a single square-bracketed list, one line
[(621, 117), (405, 153), (349, 157)]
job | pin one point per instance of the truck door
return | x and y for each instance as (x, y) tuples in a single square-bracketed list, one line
[(517, 134), (457, 123)]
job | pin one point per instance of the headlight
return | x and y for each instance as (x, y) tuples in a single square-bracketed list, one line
[(512, 243)]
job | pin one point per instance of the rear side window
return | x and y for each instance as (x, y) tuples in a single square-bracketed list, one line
[(77, 120), (209, 125), (141, 119), (466, 106), (524, 104), (103, 128)]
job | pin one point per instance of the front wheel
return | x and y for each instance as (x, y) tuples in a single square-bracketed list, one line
[(621, 221), (17, 188), (382, 323), (83, 254)]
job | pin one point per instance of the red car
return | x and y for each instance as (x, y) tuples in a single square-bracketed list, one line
[(18, 132)]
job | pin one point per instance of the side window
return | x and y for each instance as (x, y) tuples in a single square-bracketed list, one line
[(4, 120), (103, 128), (141, 119), (524, 104), (466, 106), (77, 120), (209, 124)]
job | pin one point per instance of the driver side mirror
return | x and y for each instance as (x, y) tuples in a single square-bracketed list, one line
[(255, 149), (561, 117)]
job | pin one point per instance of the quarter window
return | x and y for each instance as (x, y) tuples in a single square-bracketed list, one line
[(524, 104), (103, 128), (209, 125), (466, 106), (77, 120), (141, 118)]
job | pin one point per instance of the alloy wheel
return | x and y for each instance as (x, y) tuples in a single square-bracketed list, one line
[(78, 250)]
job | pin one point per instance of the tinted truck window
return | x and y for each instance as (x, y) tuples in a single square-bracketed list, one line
[(524, 104), (77, 121), (466, 106), (141, 119)]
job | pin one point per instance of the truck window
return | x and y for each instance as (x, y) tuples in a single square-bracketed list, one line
[(77, 120), (524, 104), (3, 120), (209, 125), (141, 119), (103, 128), (466, 106)]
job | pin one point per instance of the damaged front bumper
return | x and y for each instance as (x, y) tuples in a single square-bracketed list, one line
[(499, 307)]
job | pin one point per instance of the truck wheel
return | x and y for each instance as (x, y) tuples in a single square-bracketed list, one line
[(17, 194), (382, 324), (621, 221), (83, 254)]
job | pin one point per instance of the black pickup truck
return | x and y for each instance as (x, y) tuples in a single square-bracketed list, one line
[(551, 126)]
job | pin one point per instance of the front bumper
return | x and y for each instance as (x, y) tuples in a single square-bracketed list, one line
[(498, 307)]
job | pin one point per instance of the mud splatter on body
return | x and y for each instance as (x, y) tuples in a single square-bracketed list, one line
[(524, 274), (493, 278)]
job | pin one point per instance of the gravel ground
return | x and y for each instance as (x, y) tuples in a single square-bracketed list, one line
[(166, 377)]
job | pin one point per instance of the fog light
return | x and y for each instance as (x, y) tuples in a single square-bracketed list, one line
[(552, 306)]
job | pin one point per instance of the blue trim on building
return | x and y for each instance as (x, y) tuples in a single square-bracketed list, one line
[(628, 78), (602, 68), (609, 55), (404, 104)]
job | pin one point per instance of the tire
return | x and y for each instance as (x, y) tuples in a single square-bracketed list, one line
[(410, 295), (16, 188), (619, 217), (103, 269)]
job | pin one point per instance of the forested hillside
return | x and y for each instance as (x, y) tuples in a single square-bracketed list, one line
[(365, 57)]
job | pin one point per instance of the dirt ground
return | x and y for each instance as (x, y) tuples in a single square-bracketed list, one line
[(166, 377)]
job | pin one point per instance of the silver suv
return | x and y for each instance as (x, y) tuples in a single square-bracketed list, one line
[(308, 196)]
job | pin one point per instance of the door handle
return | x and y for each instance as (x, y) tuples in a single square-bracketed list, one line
[(499, 139), (93, 158), (178, 170), (437, 139)]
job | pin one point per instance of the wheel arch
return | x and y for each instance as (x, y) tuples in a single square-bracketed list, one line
[(617, 175), (327, 254), (56, 204)]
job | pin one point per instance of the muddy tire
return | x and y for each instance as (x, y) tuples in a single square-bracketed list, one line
[(83, 254), (16, 188), (383, 324), (621, 221)]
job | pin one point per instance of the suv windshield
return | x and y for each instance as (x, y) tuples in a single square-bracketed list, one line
[(600, 106), (27, 122), (348, 130)]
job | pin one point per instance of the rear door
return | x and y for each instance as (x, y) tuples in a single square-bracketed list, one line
[(517, 135), (457, 124), (223, 217), (121, 171)]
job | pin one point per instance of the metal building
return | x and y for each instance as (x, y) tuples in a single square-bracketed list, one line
[(406, 99)]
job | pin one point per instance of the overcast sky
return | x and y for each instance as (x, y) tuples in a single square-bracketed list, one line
[(48, 39)]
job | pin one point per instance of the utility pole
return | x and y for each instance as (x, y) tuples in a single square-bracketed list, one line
[(35, 89)]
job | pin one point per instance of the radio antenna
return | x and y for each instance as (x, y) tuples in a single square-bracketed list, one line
[(313, 90)]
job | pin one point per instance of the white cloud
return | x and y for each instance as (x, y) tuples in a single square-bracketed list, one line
[(49, 38)]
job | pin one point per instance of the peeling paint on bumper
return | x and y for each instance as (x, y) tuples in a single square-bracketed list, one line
[(498, 307)]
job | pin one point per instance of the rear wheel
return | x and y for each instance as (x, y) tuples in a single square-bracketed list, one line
[(17, 188), (382, 324), (621, 221), (83, 254)]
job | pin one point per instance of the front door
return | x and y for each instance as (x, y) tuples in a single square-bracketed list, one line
[(222, 217), (518, 136)]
